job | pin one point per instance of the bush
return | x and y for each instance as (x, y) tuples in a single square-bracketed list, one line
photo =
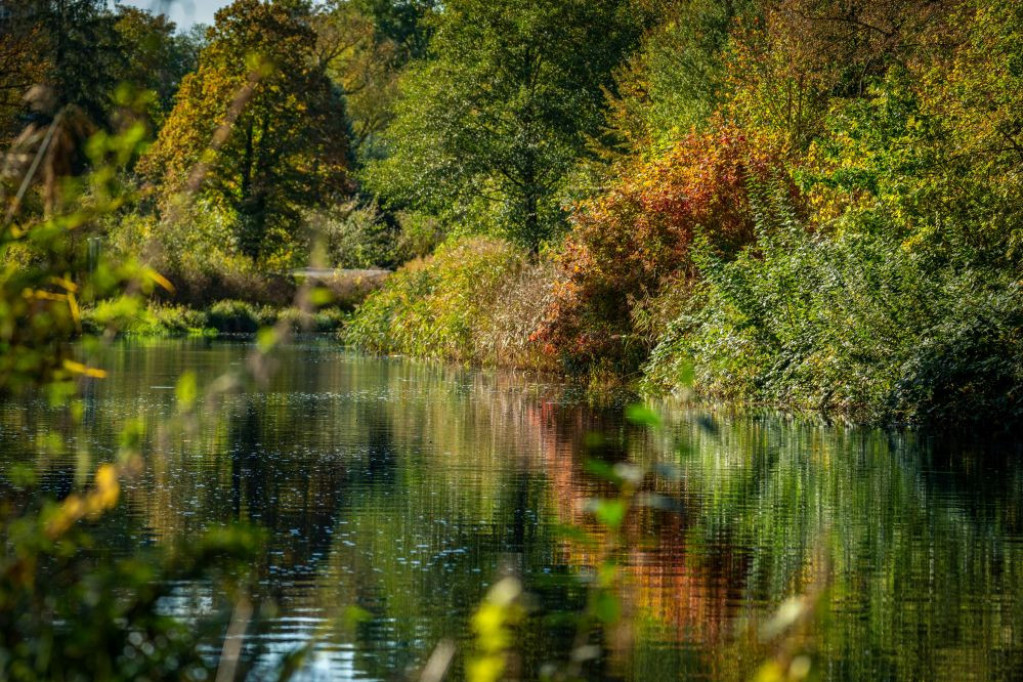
[(348, 289), (456, 304), (233, 279), (420, 235), (235, 317), (855, 323), (156, 319), (356, 236), (503, 336), (320, 322), (199, 255), (633, 242)]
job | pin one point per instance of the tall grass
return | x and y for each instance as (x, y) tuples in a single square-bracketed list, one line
[(474, 300)]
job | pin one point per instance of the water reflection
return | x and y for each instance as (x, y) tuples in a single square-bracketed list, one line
[(406, 489)]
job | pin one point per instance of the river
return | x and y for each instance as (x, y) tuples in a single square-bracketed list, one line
[(402, 490)]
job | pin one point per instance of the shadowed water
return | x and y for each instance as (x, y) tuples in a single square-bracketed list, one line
[(406, 489)]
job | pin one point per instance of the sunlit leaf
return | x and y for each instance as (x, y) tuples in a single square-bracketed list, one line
[(611, 512), (643, 415)]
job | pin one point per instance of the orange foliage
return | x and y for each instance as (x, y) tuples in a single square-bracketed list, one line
[(628, 245)]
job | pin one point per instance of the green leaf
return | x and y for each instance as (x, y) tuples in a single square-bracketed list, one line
[(600, 469), (643, 415), (611, 513), (607, 608), (187, 390)]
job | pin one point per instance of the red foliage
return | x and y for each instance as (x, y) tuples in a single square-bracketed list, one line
[(630, 243)]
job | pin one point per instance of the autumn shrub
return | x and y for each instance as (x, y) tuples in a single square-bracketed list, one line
[(348, 289), (853, 323), (632, 245), (504, 335), (455, 304)]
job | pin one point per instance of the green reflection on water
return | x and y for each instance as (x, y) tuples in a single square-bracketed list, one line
[(406, 489)]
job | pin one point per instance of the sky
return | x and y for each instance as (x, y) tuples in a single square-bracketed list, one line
[(184, 13)]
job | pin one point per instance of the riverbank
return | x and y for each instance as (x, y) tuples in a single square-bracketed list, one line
[(163, 320), (868, 333), (330, 296)]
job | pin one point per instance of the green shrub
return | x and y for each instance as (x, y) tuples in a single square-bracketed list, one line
[(356, 236), (855, 323), (235, 317), (633, 243), (197, 253), (348, 289), (420, 234), (227, 317), (320, 322), (156, 319)]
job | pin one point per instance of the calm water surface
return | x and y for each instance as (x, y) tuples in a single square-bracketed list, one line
[(406, 489)]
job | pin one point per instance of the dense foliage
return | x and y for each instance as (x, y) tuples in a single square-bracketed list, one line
[(678, 175), (69, 610), (630, 248), (286, 147), (489, 127), (807, 203), (853, 324)]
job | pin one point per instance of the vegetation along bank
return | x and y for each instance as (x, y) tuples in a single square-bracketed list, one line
[(807, 203)]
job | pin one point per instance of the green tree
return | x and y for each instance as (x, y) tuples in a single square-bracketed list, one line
[(674, 82), (22, 63), (406, 23), (57, 60), (81, 45), (263, 125), (489, 127), (364, 65), (787, 69), (154, 57)]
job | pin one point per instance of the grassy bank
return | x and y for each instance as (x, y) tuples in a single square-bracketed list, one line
[(222, 317), (475, 300), (267, 301)]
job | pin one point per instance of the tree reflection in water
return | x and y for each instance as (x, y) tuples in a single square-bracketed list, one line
[(406, 489)]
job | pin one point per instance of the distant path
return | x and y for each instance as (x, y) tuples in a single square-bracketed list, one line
[(332, 273)]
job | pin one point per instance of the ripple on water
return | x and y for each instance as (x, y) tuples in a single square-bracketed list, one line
[(399, 491)]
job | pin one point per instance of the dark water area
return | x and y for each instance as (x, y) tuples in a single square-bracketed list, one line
[(407, 489)]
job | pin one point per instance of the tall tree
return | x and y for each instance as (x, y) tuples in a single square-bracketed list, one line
[(83, 52), (786, 70), (406, 23), (68, 48), (153, 57), (22, 62), (489, 127), (258, 129), (364, 65), (674, 82)]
